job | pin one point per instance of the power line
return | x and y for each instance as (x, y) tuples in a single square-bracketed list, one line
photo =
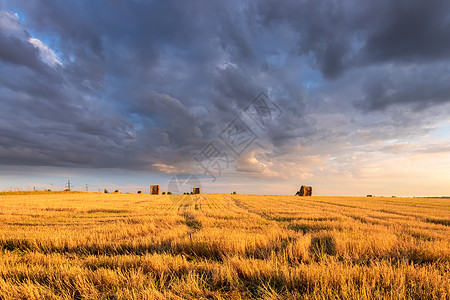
[(68, 185)]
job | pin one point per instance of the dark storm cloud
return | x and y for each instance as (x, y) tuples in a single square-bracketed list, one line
[(322, 30), (419, 86), (410, 31), (343, 34), (18, 52), (339, 35), (146, 84)]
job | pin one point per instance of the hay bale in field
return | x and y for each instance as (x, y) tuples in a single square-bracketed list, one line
[(155, 189), (117, 191), (196, 190), (307, 190), (369, 195), (304, 191), (139, 192)]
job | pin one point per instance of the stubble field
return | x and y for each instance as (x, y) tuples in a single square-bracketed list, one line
[(129, 246)]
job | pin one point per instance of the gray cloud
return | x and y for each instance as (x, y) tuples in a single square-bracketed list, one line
[(344, 34), (410, 31), (147, 84)]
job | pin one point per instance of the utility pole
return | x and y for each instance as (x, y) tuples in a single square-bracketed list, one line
[(68, 185), (87, 189)]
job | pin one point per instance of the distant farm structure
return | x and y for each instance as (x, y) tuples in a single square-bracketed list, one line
[(155, 189), (304, 191), (196, 190)]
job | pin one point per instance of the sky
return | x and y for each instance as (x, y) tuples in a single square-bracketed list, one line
[(351, 97)]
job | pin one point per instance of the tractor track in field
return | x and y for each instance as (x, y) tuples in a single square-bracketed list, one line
[(251, 211), (184, 210)]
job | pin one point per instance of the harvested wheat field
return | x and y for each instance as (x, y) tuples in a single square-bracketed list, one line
[(129, 246)]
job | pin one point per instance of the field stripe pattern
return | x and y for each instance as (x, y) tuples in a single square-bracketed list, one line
[(129, 246)]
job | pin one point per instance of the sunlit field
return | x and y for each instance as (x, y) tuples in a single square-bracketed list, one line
[(129, 246)]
